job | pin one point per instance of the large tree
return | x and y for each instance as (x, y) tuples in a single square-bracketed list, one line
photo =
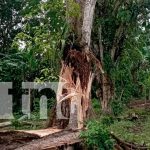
[(122, 28), (113, 21), (73, 97)]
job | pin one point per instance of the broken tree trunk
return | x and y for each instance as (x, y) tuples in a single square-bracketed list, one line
[(73, 95)]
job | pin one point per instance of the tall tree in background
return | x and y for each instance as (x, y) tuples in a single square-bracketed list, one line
[(121, 26), (10, 22)]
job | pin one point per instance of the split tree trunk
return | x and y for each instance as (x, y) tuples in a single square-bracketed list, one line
[(73, 95)]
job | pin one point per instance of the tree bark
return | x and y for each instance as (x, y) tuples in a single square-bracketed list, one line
[(107, 93), (117, 38), (88, 21)]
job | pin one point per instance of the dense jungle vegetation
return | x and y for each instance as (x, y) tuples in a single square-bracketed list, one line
[(33, 37)]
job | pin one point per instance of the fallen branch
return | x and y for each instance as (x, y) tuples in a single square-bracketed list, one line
[(63, 138)]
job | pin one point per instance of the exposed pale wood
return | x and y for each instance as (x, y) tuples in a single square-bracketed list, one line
[(74, 95), (76, 112), (42, 132)]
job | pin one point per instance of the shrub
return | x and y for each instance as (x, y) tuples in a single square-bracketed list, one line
[(107, 120), (117, 107), (97, 136)]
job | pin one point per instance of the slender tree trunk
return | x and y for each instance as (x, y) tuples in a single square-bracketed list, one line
[(89, 8), (106, 93), (105, 84)]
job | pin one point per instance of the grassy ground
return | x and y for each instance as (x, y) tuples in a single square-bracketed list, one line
[(132, 125), (133, 130), (26, 124)]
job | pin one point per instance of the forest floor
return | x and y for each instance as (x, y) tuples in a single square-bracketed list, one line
[(133, 126)]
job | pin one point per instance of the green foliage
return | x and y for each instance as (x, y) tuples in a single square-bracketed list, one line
[(97, 136), (10, 17), (32, 50), (43, 30), (96, 106), (47, 74), (107, 120), (121, 28), (73, 9), (117, 107), (33, 34), (16, 123), (18, 67), (31, 124)]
